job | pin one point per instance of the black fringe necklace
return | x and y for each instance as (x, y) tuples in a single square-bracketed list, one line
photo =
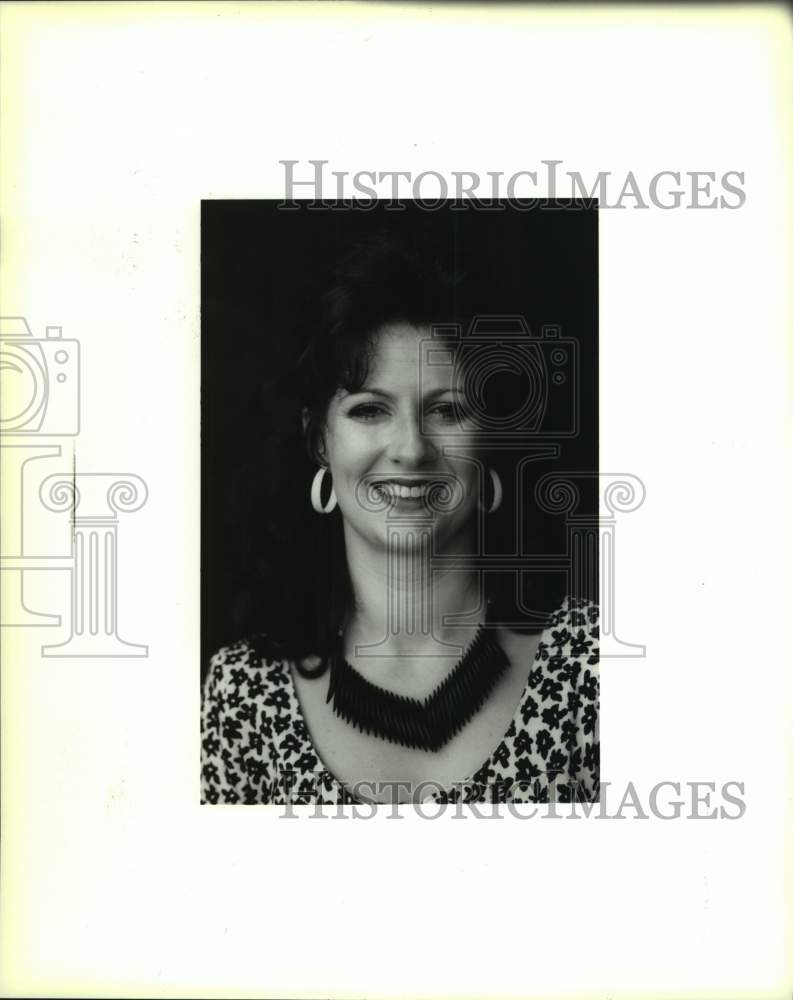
[(424, 725)]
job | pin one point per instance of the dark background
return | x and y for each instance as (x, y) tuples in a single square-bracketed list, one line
[(261, 271)]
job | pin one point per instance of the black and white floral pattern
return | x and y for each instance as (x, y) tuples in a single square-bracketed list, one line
[(256, 748)]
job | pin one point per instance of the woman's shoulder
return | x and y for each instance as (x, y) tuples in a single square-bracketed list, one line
[(573, 632), (576, 613), (257, 645), (251, 656), (569, 650)]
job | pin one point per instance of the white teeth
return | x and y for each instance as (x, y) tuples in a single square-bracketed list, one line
[(403, 492)]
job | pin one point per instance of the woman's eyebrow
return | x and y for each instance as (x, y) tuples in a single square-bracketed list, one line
[(345, 395), (442, 392), (388, 395), (373, 390)]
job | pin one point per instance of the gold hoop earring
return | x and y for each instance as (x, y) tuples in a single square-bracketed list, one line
[(316, 494), (498, 492)]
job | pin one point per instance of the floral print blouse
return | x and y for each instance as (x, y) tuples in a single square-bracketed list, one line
[(256, 747)]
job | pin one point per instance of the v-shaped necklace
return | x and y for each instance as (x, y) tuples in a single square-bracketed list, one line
[(427, 724)]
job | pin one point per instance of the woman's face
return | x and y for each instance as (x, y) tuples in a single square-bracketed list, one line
[(387, 444)]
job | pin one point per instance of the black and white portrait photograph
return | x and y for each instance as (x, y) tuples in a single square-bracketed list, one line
[(399, 416), (396, 430)]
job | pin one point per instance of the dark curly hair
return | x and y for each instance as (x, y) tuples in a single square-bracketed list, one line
[(295, 590)]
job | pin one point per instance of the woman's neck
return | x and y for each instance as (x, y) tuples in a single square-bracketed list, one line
[(401, 603)]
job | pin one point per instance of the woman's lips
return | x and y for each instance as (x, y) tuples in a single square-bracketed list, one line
[(400, 491)]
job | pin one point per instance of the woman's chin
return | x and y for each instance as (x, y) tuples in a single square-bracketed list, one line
[(410, 530)]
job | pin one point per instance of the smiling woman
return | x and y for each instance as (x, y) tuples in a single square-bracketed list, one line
[(396, 441), (386, 662)]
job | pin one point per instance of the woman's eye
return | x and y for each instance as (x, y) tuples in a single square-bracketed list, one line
[(451, 412), (443, 412), (366, 411)]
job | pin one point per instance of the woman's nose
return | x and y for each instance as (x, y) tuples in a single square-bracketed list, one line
[(408, 445)]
